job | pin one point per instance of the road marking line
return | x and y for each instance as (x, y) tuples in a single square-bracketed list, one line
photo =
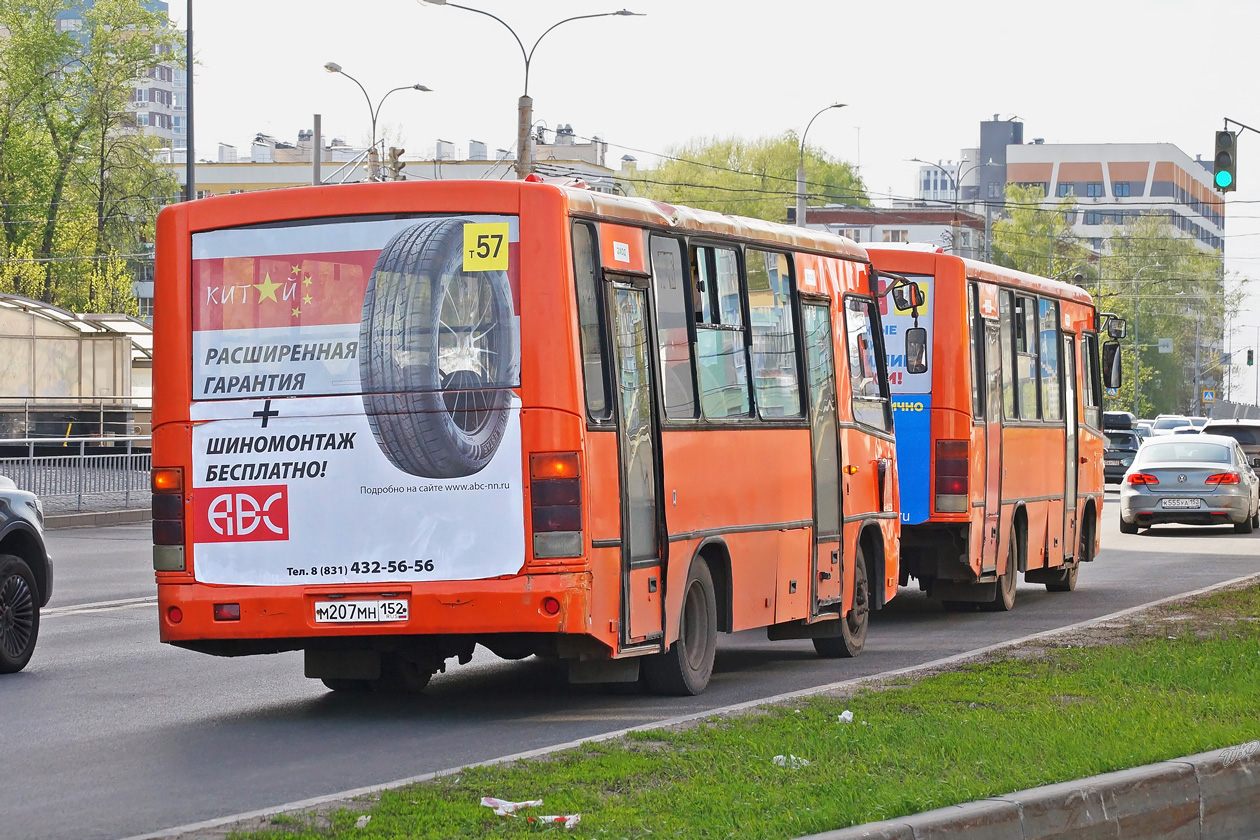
[(661, 724), (100, 606)]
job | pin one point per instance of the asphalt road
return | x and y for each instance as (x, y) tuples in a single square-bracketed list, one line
[(109, 734)]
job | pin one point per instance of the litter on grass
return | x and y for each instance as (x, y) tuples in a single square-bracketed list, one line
[(504, 808), (362, 821), (845, 717), (793, 761)]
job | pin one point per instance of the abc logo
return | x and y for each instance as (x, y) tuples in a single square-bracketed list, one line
[(243, 514)]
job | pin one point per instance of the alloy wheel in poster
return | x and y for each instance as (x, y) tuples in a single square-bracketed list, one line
[(355, 388)]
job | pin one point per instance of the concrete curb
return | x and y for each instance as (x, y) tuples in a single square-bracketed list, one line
[(57, 521), (1209, 796)]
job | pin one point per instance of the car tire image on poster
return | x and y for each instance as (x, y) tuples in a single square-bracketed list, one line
[(437, 354)]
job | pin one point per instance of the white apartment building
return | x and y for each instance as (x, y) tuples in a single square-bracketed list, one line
[(1114, 182)]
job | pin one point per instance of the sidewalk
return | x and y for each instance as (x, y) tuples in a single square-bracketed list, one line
[(91, 519)]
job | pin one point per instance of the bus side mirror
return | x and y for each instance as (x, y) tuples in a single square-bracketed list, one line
[(916, 349), (908, 296), (1111, 364), (1116, 327)]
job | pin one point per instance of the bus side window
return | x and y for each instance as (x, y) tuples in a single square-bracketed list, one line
[(977, 369), (1051, 387), (1091, 385), (678, 381), (1006, 312), (770, 317), (870, 404), (586, 273), (721, 351), (1026, 356)]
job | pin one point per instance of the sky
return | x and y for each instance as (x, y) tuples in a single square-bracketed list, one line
[(917, 78)]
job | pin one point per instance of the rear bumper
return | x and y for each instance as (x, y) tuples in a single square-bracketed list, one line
[(509, 605), (1214, 510)]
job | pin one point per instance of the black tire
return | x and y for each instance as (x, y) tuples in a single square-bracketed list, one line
[(1004, 601), (1255, 520), (1084, 554), (1244, 527), (1128, 527), (430, 422), (685, 668), (854, 625), (19, 614), (400, 675)]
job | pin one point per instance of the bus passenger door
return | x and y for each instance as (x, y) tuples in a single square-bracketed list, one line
[(992, 447), (1071, 461), (642, 573), (824, 445)]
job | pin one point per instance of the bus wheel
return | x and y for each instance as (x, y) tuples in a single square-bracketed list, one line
[(401, 675), (853, 626), (437, 354), (685, 668), (1005, 598), (19, 614), (346, 686), (1066, 581)]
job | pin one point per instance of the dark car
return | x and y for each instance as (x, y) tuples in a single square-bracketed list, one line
[(1118, 454), (26, 575), (1246, 432)]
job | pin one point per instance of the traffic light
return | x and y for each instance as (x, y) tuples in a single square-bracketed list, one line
[(396, 163), (1251, 357), (1225, 167)]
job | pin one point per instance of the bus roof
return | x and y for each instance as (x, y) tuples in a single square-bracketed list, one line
[(901, 260), (645, 211)]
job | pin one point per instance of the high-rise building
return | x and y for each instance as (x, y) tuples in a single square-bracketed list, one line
[(159, 99)]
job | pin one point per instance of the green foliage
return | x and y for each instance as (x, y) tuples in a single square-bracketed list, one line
[(746, 178), (79, 190), (1034, 238)]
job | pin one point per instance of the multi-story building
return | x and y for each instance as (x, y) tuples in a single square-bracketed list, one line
[(941, 227), (1115, 182), (159, 99)]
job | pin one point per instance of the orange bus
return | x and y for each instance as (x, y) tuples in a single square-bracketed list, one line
[(999, 429), (395, 421)]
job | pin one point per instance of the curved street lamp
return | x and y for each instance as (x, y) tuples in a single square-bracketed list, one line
[(800, 165), (374, 111), (525, 105), (956, 180)]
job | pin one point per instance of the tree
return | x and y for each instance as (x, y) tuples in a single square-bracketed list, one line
[(79, 186), (746, 178), (1034, 238)]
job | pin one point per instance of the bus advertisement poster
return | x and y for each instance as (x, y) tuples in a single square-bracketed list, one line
[(355, 406), (912, 418)]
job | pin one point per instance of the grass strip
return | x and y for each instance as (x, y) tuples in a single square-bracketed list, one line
[(1177, 680)]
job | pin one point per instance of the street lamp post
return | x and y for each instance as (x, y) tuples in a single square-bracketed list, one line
[(800, 166), (1137, 348), (525, 105), (957, 181), (374, 112)]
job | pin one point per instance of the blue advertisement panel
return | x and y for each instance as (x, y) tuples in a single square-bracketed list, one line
[(912, 419)]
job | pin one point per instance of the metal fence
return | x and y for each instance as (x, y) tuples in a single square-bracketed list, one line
[(80, 474)]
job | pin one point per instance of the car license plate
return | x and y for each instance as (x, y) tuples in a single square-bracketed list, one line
[(1181, 503), (344, 612), (1111, 462)]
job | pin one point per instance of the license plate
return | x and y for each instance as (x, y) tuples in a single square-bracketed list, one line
[(1111, 462), (345, 612), (1181, 503)]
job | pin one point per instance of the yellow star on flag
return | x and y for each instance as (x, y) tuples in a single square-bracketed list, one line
[(267, 289), (307, 299), (306, 281), (297, 312), (297, 269)]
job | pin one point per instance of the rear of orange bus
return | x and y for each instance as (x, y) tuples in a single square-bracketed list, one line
[(998, 434)]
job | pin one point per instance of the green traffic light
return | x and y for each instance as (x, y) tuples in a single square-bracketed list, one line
[(1224, 179)]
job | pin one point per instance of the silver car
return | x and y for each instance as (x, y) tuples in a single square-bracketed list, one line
[(1198, 479)]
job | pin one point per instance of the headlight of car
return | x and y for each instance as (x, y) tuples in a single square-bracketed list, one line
[(39, 508)]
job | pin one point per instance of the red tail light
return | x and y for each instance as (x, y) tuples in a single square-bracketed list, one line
[(1142, 478), (952, 469), (555, 503), (1222, 478), (168, 506)]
